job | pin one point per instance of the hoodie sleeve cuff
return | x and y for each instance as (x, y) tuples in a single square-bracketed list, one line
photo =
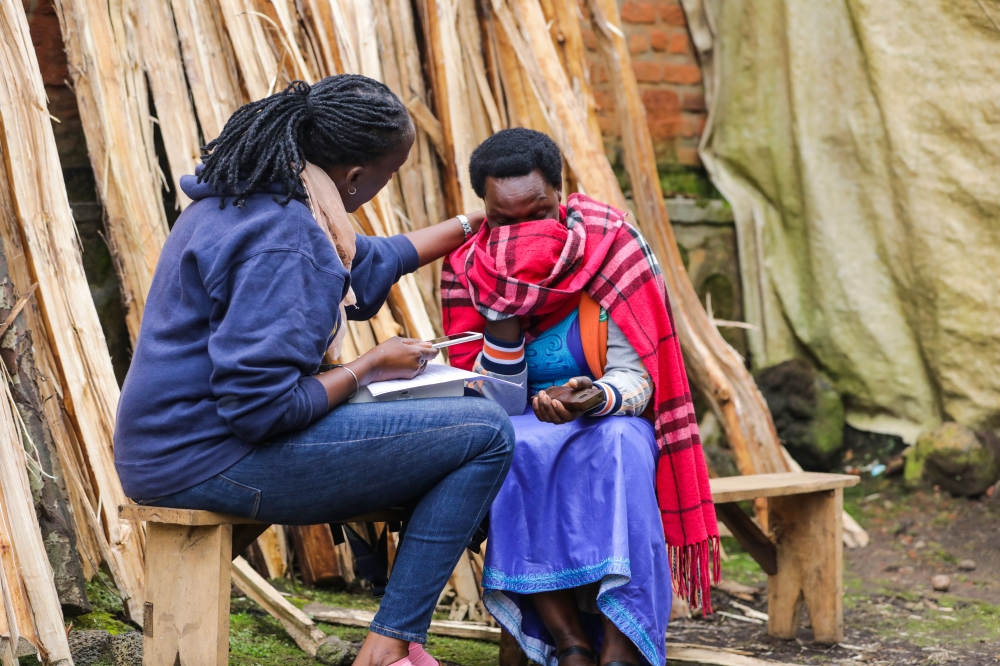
[(612, 400), (503, 357), (407, 253)]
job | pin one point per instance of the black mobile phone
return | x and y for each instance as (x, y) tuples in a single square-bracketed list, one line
[(456, 339)]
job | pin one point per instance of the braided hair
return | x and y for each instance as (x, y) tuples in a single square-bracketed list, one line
[(345, 119)]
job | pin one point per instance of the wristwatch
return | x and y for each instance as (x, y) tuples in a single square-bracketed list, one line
[(466, 227)]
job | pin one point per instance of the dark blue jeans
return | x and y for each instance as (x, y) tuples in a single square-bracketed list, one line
[(446, 457)]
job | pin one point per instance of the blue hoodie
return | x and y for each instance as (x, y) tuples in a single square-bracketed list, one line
[(238, 317)]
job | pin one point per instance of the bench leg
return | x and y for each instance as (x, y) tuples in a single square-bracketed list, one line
[(186, 619), (808, 533), (510, 651)]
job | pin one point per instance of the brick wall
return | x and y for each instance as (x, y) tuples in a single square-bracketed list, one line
[(669, 77)]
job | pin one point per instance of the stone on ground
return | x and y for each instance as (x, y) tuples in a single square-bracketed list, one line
[(126, 649), (941, 583), (89, 646), (967, 565), (954, 458), (336, 651), (808, 413)]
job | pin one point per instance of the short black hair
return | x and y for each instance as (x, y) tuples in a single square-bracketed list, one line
[(345, 119), (515, 152)]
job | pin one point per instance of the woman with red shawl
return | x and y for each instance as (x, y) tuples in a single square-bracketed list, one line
[(604, 513)]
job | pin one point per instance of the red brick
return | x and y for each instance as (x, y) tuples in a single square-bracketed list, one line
[(694, 102), (638, 12), (693, 126), (659, 39), (637, 44), (49, 49), (679, 43), (663, 114), (688, 156), (598, 74), (662, 101), (682, 74), (589, 40), (673, 15), (646, 72)]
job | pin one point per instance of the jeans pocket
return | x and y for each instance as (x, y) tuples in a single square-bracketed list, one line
[(220, 494)]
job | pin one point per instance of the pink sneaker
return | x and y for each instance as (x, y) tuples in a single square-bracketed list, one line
[(405, 661), (419, 656)]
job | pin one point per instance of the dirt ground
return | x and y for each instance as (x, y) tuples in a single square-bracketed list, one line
[(892, 614)]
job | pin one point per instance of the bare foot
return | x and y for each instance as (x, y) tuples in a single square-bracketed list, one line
[(379, 650)]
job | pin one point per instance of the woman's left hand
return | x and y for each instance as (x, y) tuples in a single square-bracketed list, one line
[(552, 411)]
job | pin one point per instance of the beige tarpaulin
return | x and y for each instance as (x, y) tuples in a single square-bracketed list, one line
[(859, 144)]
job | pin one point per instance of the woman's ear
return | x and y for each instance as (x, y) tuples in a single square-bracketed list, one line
[(353, 175)]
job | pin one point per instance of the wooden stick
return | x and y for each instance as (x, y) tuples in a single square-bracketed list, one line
[(165, 72), (316, 554), (703, 654), (425, 120), (111, 92), (438, 20), (303, 630), (274, 547), (714, 366), (350, 617), (567, 123), (209, 63), (53, 256), (22, 523), (17, 608), (564, 18)]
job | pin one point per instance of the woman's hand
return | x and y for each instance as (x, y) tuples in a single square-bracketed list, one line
[(396, 358), (438, 240), (552, 411)]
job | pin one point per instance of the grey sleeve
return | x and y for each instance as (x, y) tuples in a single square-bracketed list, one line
[(625, 378)]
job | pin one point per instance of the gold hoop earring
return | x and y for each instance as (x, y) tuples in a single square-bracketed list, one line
[(351, 190)]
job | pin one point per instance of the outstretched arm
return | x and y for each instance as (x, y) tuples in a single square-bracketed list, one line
[(440, 239)]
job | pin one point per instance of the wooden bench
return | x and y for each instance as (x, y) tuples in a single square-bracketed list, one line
[(188, 557), (804, 555)]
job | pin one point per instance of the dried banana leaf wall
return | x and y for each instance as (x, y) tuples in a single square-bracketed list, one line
[(464, 68)]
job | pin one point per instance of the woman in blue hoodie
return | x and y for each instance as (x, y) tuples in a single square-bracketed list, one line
[(223, 409)]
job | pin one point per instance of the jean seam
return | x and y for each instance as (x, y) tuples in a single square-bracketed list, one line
[(396, 435), (395, 633), (255, 491)]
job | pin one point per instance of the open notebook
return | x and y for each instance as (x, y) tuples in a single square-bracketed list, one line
[(436, 381)]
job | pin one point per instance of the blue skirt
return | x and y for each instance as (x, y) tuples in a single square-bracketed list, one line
[(578, 510)]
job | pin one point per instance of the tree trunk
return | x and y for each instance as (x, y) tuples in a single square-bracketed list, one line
[(44, 471)]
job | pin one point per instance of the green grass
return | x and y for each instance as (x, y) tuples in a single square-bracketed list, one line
[(739, 566), (464, 652), (256, 639), (260, 640)]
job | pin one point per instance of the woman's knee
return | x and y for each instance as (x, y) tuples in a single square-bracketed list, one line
[(494, 432)]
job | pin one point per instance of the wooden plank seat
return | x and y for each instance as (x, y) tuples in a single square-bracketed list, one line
[(188, 556), (804, 554)]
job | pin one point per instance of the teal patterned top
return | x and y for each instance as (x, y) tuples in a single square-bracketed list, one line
[(550, 357)]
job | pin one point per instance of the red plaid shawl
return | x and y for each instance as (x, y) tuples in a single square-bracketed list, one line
[(536, 271)]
